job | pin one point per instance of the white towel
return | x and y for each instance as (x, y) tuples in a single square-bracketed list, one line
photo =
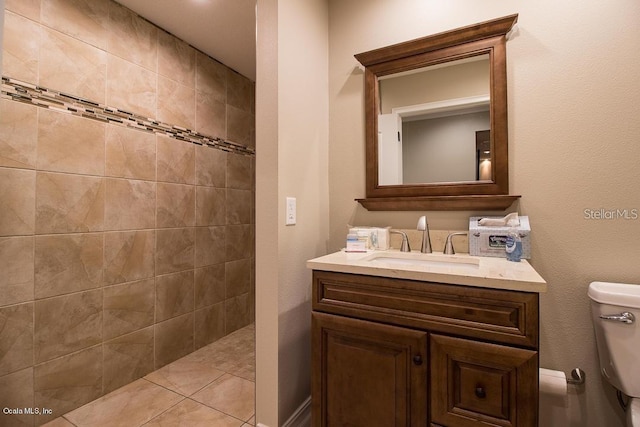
[(510, 220)]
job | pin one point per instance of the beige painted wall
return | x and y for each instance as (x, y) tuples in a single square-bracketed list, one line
[(573, 131), (1, 30), (267, 212), (292, 137)]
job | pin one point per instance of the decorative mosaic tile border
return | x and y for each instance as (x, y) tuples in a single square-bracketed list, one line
[(46, 98)]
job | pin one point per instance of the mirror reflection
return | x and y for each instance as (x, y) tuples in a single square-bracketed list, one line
[(434, 124)]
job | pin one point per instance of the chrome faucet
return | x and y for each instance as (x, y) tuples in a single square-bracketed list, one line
[(448, 246), (404, 247), (426, 239)]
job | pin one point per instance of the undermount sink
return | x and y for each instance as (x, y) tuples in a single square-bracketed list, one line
[(419, 259)]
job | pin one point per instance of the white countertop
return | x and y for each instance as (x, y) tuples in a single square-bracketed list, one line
[(459, 269)]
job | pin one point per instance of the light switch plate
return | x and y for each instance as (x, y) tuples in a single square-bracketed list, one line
[(291, 211)]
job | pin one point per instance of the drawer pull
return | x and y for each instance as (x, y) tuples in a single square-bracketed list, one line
[(417, 360), (480, 393)]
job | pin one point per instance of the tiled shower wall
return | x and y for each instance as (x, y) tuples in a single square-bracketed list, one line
[(120, 250)]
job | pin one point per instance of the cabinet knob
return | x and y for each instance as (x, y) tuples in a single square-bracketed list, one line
[(417, 359), (480, 392)]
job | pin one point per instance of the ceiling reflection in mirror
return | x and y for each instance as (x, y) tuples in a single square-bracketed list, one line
[(434, 124)]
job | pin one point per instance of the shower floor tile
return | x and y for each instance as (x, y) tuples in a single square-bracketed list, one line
[(213, 386)]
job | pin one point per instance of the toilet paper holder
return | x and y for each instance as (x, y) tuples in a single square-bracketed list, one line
[(578, 377)]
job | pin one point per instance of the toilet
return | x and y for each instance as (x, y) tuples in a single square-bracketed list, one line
[(615, 308)]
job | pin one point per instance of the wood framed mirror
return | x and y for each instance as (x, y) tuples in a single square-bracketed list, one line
[(436, 121)]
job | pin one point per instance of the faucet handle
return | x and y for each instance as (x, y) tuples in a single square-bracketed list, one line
[(448, 246), (404, 247)]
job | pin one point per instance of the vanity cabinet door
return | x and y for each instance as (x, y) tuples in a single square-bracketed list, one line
[(481, 384), (367, 374)]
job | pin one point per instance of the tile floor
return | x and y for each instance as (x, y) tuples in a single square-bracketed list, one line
[(214, 386)]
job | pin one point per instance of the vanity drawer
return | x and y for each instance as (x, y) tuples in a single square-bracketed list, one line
[(502, 316), (481, 384)]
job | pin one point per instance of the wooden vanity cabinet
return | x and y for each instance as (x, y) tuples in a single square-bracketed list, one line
[(395, 352), (369, 371)]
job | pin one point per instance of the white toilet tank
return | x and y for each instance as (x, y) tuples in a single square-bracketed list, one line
[(618, 338)]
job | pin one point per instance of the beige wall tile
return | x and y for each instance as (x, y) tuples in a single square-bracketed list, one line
[(68, 203), (176, 205), (240, 126), (176, 103), (240, 242), (131, 37), (210, 245), (209, 285), (129, 256), (174, 339), (175, 250), (176, 161), (176, 59), (27, 8), (20, 48), (99, 50), (209, 324), (253, 207), (66, 324), (130, 153), (68, 263), (240, 91), (211, 77), (127, 358), (71, 66), (211, 206), (237, 278), (211, 116), (16, 338), (237, 313), (85, 20), (17, 192), (131, 87), (16, 391), (239, 172), (128, 307), (174, 295), (18, 134), (68, 382), (68, 143), (252, 308), (211, 167), (16, 280), (129, 204), (239, 205)]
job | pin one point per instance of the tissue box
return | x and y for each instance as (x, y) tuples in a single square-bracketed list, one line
[(490, 241), (376, 238)]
